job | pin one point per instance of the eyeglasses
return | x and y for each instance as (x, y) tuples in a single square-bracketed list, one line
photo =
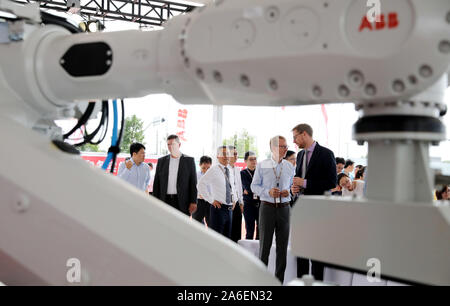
[(283, 147)]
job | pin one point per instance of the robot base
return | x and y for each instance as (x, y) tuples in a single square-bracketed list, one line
[(411, 242)]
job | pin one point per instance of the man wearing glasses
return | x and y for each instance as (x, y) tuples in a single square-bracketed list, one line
[(315, 174), (216, 186), (272, 181), (251, 200)]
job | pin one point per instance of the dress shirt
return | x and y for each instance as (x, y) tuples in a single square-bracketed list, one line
[(138, 176), (174, 163), (235, 176), (211, 185), (358, 191), (199, 176), (265, 179)]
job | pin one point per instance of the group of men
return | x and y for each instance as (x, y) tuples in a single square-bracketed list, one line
[(263, 192)]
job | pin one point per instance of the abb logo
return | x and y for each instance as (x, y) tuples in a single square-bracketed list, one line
[(381, 22)]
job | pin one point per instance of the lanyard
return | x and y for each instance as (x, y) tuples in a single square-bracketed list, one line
[(248, 171), (278, 177)]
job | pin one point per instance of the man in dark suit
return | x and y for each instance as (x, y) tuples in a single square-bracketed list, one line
[(315, 174), (176, 179)]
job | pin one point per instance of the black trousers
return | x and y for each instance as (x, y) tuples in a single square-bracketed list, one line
[(317, 268), (274, 220), (203, 209), (221, 219), (236, 224), (251, 216), (172, 200)]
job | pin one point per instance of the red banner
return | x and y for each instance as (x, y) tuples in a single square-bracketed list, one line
[(97, 160)]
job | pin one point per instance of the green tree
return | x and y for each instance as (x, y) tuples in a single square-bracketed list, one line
[(89, 148), (134, 132), (243, 142)]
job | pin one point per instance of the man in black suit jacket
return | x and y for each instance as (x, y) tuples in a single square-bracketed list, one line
[(315, 174), (176, 179)]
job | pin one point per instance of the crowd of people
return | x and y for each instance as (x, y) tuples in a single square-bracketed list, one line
[(220, 194)]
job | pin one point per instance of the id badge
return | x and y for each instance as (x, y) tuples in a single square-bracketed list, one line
[(255, 197), (277, 201)]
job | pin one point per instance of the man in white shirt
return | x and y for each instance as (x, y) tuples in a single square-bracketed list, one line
[(217, 188), (176, 179), (203, 207), (236, 227)]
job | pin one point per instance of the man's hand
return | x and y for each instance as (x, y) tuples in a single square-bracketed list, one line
[(245, 192), (285, 193), (274, 193), (337, 188), (129, 164), (217, 204), (295, 189), (192, 208), (298, 181)]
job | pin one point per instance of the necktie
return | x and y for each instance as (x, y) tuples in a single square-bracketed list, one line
[(227, 186), (304, 164)]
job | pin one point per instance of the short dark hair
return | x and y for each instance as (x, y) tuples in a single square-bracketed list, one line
[(340, 160), (150, 165), (359, 166), (304, 128), (289, 153), (248, 154), (340, 176), (170, 137), (349, 163), (440, 191), (360, 173), (221, 148), (136, 147), (205, 160)]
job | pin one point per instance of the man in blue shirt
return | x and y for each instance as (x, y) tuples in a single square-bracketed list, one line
[(272, 182), (134, 170)]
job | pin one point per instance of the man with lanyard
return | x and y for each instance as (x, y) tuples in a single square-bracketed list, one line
[(251, 200), (272, 181), (215, 186)]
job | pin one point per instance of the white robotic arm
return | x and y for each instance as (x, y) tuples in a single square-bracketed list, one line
[(247, 52)]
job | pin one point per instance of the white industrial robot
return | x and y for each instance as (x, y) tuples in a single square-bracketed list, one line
[(246, 52)]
